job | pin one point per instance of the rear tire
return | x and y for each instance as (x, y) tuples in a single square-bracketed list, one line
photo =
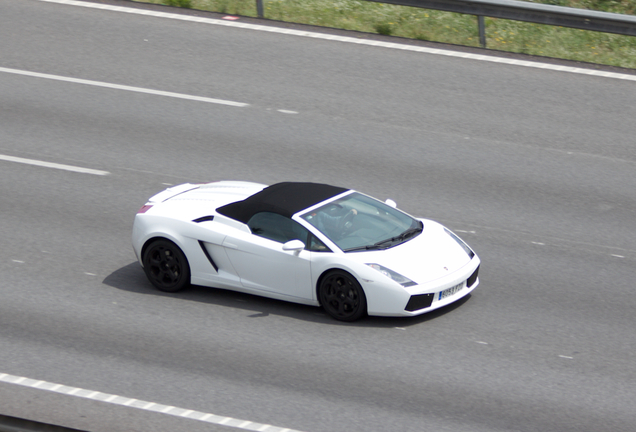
[(166, 266), (341, 296)]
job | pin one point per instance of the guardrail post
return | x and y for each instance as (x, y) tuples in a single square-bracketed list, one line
[(482, 30), (259, 8)]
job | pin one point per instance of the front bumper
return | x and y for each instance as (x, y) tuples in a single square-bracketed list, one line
[(421, 303), (423, 298)]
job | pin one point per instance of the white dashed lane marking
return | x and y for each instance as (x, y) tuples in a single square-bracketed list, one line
[(123, 87), (142, 405), (51, 164)]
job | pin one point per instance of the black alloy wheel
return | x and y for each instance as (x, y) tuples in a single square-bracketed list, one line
[(166, 266), (341, 296)]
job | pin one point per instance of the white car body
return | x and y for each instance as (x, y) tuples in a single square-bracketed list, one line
[(223, 252)]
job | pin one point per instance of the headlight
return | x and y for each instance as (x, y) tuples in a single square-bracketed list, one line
[(460, 242), (405, 282)]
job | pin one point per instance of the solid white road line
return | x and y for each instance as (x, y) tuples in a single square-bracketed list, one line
[(123, 87), (142, 405), (53, 165), (391, 45)]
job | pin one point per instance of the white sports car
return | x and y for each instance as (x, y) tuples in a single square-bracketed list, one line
[(307, 243)]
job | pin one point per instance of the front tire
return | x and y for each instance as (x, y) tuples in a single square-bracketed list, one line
[(166, 266), (341, 296)]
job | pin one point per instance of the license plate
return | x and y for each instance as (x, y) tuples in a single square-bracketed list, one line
[(450, 291)]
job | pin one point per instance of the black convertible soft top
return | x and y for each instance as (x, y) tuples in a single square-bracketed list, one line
[(286, 199)]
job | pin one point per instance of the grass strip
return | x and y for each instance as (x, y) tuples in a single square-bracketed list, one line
[(446, 27)]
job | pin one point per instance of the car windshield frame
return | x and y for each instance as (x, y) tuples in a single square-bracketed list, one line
[(357, 222)]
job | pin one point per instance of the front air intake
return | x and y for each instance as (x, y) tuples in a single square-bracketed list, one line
[(473, 278), (419, 301)]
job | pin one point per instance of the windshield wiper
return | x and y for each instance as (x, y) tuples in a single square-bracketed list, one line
[(367, 247), (385, 244), (411, 232), (406, 234)]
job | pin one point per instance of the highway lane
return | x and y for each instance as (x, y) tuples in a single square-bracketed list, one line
[(544, 194)]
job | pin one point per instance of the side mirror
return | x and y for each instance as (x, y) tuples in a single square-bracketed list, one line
[(294, 246), (390, 203)]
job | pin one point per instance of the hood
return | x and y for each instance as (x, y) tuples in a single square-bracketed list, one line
[(431, 255)]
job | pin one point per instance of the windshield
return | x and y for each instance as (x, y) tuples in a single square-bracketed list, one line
[(357, 222)]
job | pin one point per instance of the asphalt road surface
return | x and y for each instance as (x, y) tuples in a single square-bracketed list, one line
[(534, 168)]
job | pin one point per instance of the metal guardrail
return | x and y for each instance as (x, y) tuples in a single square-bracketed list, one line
[(530, 12), (522, 11)]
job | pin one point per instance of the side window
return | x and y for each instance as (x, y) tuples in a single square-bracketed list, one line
[(278, 228), (315, 245)]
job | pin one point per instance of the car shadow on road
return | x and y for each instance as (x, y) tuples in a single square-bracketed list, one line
[(131, 278)]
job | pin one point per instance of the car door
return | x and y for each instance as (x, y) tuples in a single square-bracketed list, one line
[(261, 262)]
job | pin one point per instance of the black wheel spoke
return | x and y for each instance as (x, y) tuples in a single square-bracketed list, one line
[(342, 296), (166, 266)]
